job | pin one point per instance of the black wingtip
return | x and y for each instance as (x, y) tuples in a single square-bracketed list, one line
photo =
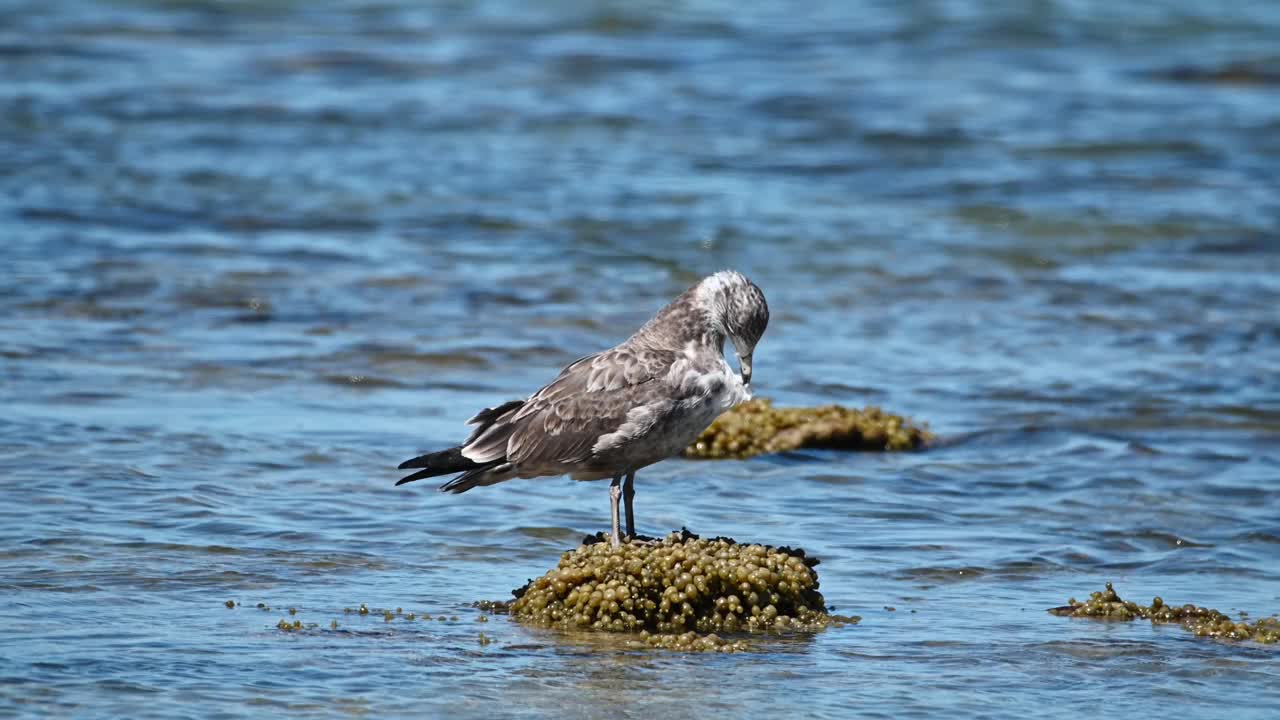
[(444, 462), (417, 476), (416, 462)]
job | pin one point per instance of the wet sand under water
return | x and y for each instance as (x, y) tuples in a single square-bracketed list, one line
[(257, 254)]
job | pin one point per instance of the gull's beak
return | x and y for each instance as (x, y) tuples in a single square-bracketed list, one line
[(744, 363)]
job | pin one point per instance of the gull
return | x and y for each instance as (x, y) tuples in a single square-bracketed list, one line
[(609, 414)]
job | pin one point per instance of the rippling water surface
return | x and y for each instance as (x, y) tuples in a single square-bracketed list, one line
[(255, 254)]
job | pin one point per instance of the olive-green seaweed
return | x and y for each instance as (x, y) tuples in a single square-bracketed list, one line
[(1204, 622), (680, 592), (757, 427)]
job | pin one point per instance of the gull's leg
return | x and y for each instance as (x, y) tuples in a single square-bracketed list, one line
[(615, 491), (629, 493)]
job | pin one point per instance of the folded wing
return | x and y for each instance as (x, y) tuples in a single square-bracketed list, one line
[(559, 425)]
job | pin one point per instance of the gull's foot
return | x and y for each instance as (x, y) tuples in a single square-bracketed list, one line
[(602, 536)]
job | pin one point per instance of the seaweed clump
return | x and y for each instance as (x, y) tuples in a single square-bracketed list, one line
[(1204, 622), (678, 592), (757, 427)]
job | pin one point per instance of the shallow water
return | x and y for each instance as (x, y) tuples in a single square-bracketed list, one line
[(258, 253)]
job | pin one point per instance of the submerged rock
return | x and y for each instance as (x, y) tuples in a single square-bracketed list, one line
[(1205, 622), (757, 427), (679, 592), (1255, 73)]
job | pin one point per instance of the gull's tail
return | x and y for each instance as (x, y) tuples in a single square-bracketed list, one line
[(487, 442), (444, 462)]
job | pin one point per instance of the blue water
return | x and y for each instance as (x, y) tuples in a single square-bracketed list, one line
[(256, 254)]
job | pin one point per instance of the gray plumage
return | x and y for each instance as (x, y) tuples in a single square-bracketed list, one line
[(609, 414)]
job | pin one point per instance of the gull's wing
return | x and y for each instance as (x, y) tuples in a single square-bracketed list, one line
[(561, 423)]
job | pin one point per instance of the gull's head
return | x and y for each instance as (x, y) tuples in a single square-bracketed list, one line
[(735, 308)]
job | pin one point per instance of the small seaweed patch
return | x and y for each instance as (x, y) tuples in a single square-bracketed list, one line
[(1204, 622), (387, 615), (757, 427), (678, 593)]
